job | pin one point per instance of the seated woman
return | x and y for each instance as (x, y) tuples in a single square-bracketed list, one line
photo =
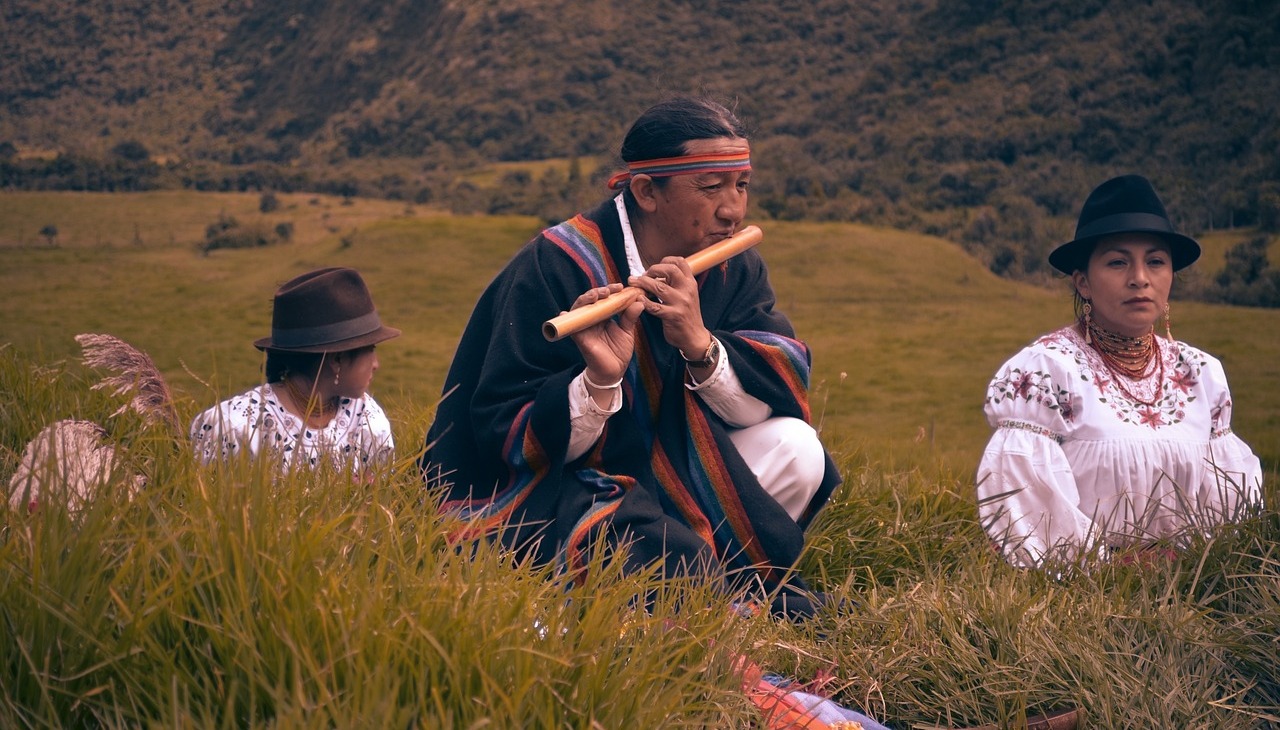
[(314, 404), (1108, 436)]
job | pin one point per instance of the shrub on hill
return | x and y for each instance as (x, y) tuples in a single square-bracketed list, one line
[(227, 232), (1248, 279)]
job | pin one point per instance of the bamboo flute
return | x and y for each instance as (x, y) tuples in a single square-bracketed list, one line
[(576, 320)]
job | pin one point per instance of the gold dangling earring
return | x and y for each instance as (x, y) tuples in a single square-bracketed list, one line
[(1088, 321), (337, 370), (1168, 329)]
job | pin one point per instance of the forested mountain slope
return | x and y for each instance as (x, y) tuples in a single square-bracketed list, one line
[(984, 120)]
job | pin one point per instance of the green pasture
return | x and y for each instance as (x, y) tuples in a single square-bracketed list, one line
[(905, 329), (233, 597)]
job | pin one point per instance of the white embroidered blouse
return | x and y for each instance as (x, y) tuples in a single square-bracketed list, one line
[(359, 435), (1076, 463)]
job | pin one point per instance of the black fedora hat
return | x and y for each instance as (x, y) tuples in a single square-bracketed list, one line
[(1125, 204), (326, 310)]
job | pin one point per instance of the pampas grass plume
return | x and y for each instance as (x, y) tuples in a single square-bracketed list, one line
[(134, 371)]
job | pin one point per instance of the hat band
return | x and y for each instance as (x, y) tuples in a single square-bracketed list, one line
[(1121, 222), (325, 333)]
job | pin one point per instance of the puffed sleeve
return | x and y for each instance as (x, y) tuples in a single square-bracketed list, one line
[(1235, 478), (1027, 496), (380, 445), (219, 433)]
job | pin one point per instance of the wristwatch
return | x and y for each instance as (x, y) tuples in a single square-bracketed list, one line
[(709, 358)]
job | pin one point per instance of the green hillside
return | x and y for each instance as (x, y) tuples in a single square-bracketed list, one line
[(906, 329)]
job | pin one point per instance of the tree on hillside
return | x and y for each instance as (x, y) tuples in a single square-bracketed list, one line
[(131, 150), (1247, 279), (1269, 206)]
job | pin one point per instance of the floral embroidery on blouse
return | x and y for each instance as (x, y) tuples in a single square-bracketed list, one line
[(1170, 396), (358, 435), (1216, 417), (1033, 386), (1031, 427)]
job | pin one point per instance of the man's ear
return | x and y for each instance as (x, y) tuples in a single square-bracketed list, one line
[(644, 190)]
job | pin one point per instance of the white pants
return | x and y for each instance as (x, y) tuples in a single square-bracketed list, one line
[(787, 457)]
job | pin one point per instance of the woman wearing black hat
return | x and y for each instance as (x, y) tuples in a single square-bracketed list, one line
[(320, 361), (1108, 436)]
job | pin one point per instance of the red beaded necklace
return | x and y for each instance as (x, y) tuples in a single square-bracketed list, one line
[(1128, 358)]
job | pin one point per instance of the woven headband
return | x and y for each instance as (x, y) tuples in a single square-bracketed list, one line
[(685, 165)]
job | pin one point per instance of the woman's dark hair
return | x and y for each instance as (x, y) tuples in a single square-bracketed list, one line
[(281, 363), (1077, 301), (662, 130)]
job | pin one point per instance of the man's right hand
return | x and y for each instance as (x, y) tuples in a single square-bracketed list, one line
[(607, 347)]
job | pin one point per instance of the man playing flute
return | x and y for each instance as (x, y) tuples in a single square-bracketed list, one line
[(678, 429)]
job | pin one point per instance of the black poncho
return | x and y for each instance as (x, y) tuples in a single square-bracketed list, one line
[(663, 475)]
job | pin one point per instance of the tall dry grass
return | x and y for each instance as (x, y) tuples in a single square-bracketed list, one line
[(237, 596)]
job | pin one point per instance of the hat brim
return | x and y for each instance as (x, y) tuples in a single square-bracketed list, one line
[(1074, 254), (382, 334)]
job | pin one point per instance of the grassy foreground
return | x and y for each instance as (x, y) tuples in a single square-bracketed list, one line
[(228, 598)]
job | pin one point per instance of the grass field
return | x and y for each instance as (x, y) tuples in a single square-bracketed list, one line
[(307, 603), (906, 330)]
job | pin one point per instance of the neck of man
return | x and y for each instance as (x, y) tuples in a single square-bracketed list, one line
[(649, 242)]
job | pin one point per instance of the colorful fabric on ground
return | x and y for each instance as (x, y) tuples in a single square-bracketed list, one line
[(785, 707), (664, 474)]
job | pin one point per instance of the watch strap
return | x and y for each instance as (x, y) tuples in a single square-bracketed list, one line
[(708, 358)]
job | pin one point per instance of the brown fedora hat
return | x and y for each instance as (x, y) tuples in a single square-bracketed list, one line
[(326, 310), (1125, 204)]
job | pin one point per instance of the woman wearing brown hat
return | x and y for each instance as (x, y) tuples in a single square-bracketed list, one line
[(1108, 436), (320, 361)]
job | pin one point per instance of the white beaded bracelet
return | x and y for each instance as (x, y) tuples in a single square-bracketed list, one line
[(597, 386)]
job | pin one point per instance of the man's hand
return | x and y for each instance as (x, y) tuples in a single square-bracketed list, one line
[(674, 299), (607, 347)]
